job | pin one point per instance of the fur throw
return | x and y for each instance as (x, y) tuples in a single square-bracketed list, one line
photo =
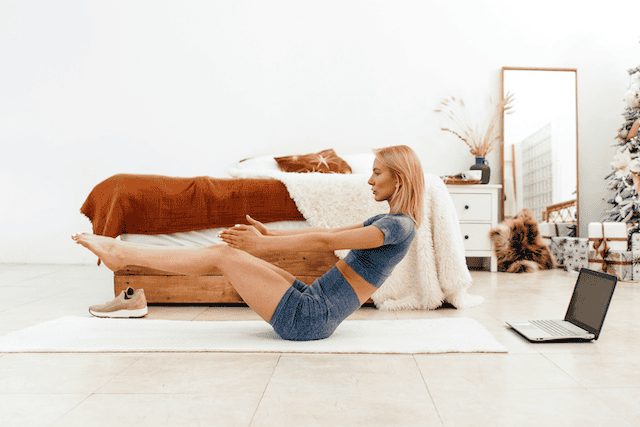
[(433, 271), (519, 246)]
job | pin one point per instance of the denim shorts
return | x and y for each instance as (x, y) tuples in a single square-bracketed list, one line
[(313, 312)]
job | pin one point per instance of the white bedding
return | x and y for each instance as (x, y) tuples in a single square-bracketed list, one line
[(200, 238)]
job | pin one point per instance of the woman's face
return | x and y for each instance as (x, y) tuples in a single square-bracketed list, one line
[(382, 182)]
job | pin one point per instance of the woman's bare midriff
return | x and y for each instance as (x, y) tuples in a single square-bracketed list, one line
[(361, 287)]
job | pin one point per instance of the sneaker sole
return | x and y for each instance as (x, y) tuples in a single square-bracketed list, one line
[(141, 312)]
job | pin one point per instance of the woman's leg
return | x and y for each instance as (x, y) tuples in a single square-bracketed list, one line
[(119, 263), (259, 285)]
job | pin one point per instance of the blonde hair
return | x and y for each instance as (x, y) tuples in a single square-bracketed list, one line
[(406, 168)]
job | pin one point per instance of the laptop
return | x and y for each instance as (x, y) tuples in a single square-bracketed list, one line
[(585, 315)]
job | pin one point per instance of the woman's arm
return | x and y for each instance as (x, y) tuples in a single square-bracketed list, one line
[(312, 230), (247, 238), (265, 231), (358, 238), (297, 231)]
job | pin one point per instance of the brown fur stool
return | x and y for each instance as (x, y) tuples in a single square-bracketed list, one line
[(519, 246)]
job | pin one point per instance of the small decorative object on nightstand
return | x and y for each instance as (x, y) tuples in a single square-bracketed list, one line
[(482, 165), (477, 209), (480, 143)]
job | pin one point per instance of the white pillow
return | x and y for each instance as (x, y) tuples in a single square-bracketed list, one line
[(258, 163), (360, 163)]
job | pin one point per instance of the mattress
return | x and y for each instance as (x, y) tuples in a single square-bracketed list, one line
[(200, 238)]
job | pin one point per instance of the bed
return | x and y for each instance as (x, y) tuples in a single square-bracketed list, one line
[(162, 210), (164, 287), (158, 209)]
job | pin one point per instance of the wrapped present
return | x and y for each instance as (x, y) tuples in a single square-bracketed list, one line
[(576, 263), (570, 249), (576, 253), (619, 263), (557, 249), (635, 243), (609, 235), (635, 254)]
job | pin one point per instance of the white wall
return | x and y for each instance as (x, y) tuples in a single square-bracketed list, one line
[(90, 89)]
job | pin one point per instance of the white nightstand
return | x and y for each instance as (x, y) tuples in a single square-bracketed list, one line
[(477, 208)]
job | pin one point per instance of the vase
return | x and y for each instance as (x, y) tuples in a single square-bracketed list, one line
[(483, 165)]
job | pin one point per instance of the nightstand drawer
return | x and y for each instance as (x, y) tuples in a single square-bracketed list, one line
[(476, 237), (473, 207)]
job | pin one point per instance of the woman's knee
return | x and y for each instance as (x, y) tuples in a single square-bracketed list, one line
[(222, 248), (224, 252)]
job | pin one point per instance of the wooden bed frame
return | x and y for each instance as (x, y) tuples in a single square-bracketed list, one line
[(161, 287)]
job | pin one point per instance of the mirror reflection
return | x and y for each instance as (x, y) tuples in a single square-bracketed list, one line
[(540, 144)]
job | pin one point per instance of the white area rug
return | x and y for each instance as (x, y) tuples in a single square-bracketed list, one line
[(92, 334)]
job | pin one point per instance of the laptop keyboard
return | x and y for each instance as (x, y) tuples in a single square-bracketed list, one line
[(552, 328)]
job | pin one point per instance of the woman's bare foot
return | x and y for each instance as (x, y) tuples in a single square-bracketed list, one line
[(106, 248)]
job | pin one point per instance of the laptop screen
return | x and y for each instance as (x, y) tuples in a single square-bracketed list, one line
[(590, 301)]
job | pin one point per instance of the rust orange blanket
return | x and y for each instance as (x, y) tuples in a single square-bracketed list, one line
[(157, 204)]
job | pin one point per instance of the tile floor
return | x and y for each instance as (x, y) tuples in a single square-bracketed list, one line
[(586, 384)]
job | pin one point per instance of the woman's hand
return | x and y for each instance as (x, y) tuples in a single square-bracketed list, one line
[(243, 237), (258, 225)]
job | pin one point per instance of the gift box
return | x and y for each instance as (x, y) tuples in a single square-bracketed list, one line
[(636, 265), (619, 263), (575, 264), (635, 243), (557, 249), (570, 252), (576, 253), (612, 235)]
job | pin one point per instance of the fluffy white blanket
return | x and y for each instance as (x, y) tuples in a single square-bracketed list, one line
[(433, 271)]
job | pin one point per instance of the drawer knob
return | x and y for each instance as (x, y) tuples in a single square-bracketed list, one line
[(466, 206), (466, 237)]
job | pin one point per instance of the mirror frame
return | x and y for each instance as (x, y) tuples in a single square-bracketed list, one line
[(575, 71)]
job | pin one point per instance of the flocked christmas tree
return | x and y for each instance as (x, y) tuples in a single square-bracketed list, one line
[(624, 179)]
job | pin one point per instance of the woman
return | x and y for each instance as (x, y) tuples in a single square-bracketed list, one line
[(297, 311)]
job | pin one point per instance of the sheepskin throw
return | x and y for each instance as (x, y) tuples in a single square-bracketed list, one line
[(433, 271)]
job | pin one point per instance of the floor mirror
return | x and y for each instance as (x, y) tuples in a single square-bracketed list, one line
[(540, 144)]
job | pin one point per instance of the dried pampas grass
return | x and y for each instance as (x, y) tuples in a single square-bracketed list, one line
[(479, 143)]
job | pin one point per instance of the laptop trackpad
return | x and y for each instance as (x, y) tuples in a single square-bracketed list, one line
[(528, 329)]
